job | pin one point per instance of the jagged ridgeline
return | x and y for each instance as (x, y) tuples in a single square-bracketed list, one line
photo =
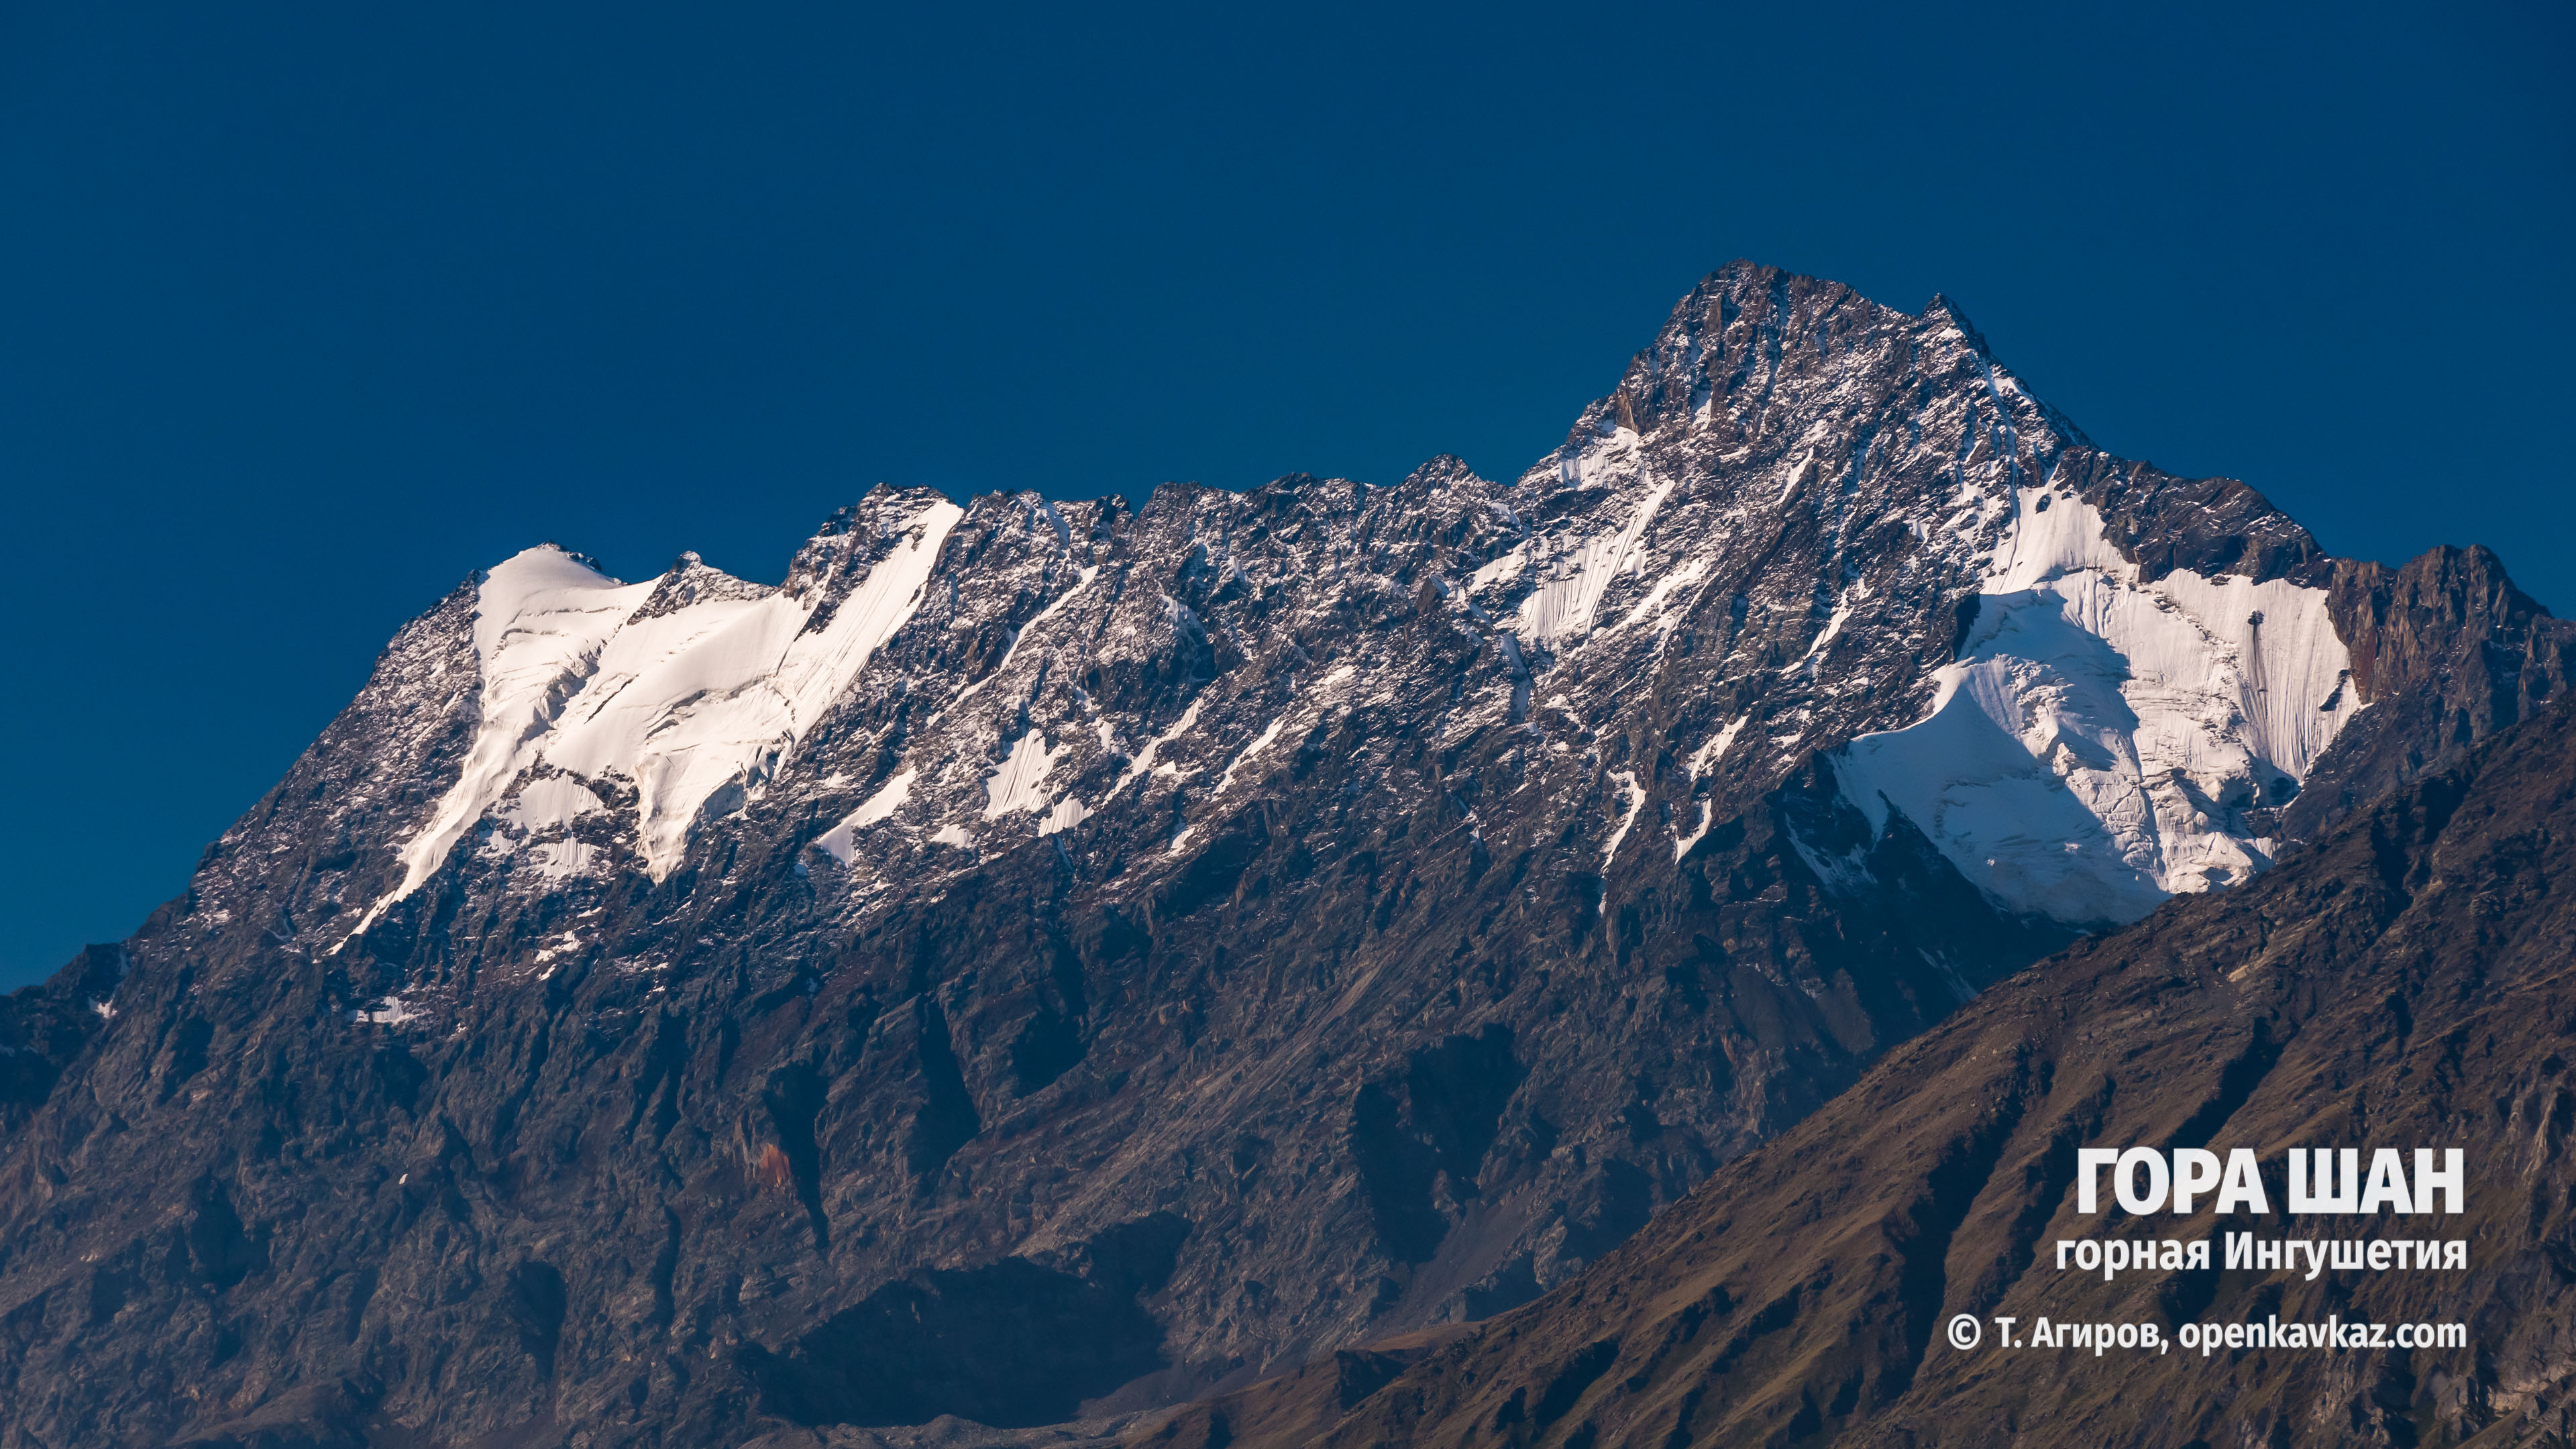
[(1047, 959)]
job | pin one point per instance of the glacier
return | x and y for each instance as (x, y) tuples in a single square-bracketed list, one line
[(691, 707), (2101, 739)]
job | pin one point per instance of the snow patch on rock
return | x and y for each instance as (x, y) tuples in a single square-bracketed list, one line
[(1021, 782), (1068, 813), (1570, 570), (1259, 743), (1145, 761), (1636, 801), (841, 840)]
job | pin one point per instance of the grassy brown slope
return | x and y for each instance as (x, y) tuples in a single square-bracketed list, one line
[(2406, 983), (1292, 1409)]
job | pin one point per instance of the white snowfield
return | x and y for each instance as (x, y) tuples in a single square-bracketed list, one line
[(2086, 752), (2100, 739), (2100, 742), (693, 709)]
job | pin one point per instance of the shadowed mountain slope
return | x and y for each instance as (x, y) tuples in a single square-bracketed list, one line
[(1049, 959), (2405, 983)]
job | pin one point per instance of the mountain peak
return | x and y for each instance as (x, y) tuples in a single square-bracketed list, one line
[(1050, 953), (1715, 363), (1942, 308)]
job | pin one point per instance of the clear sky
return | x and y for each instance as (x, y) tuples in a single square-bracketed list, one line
[(306, 312)]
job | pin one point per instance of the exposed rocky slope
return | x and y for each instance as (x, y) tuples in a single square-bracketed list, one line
[(2405, 983), (1052, 957)]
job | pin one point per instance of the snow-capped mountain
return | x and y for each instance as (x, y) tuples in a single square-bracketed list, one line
[(1051, 957)]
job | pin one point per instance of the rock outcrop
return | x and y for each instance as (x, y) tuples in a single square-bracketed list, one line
[(2402, 984), (1057, 958)]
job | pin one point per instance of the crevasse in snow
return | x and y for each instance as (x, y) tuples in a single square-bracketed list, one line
[(552, 801), (2099, 741)]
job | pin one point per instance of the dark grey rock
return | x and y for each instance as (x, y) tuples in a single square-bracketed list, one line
[(1456, 945)]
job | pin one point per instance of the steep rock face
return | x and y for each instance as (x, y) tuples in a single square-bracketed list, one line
[(43, 1029), (2402, 984), (2447, 651), (1146, 947)]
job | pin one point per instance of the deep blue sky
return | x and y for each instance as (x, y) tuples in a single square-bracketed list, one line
[(307, 312)]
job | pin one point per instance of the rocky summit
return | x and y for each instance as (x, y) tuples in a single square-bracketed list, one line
[(1049, 960)]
